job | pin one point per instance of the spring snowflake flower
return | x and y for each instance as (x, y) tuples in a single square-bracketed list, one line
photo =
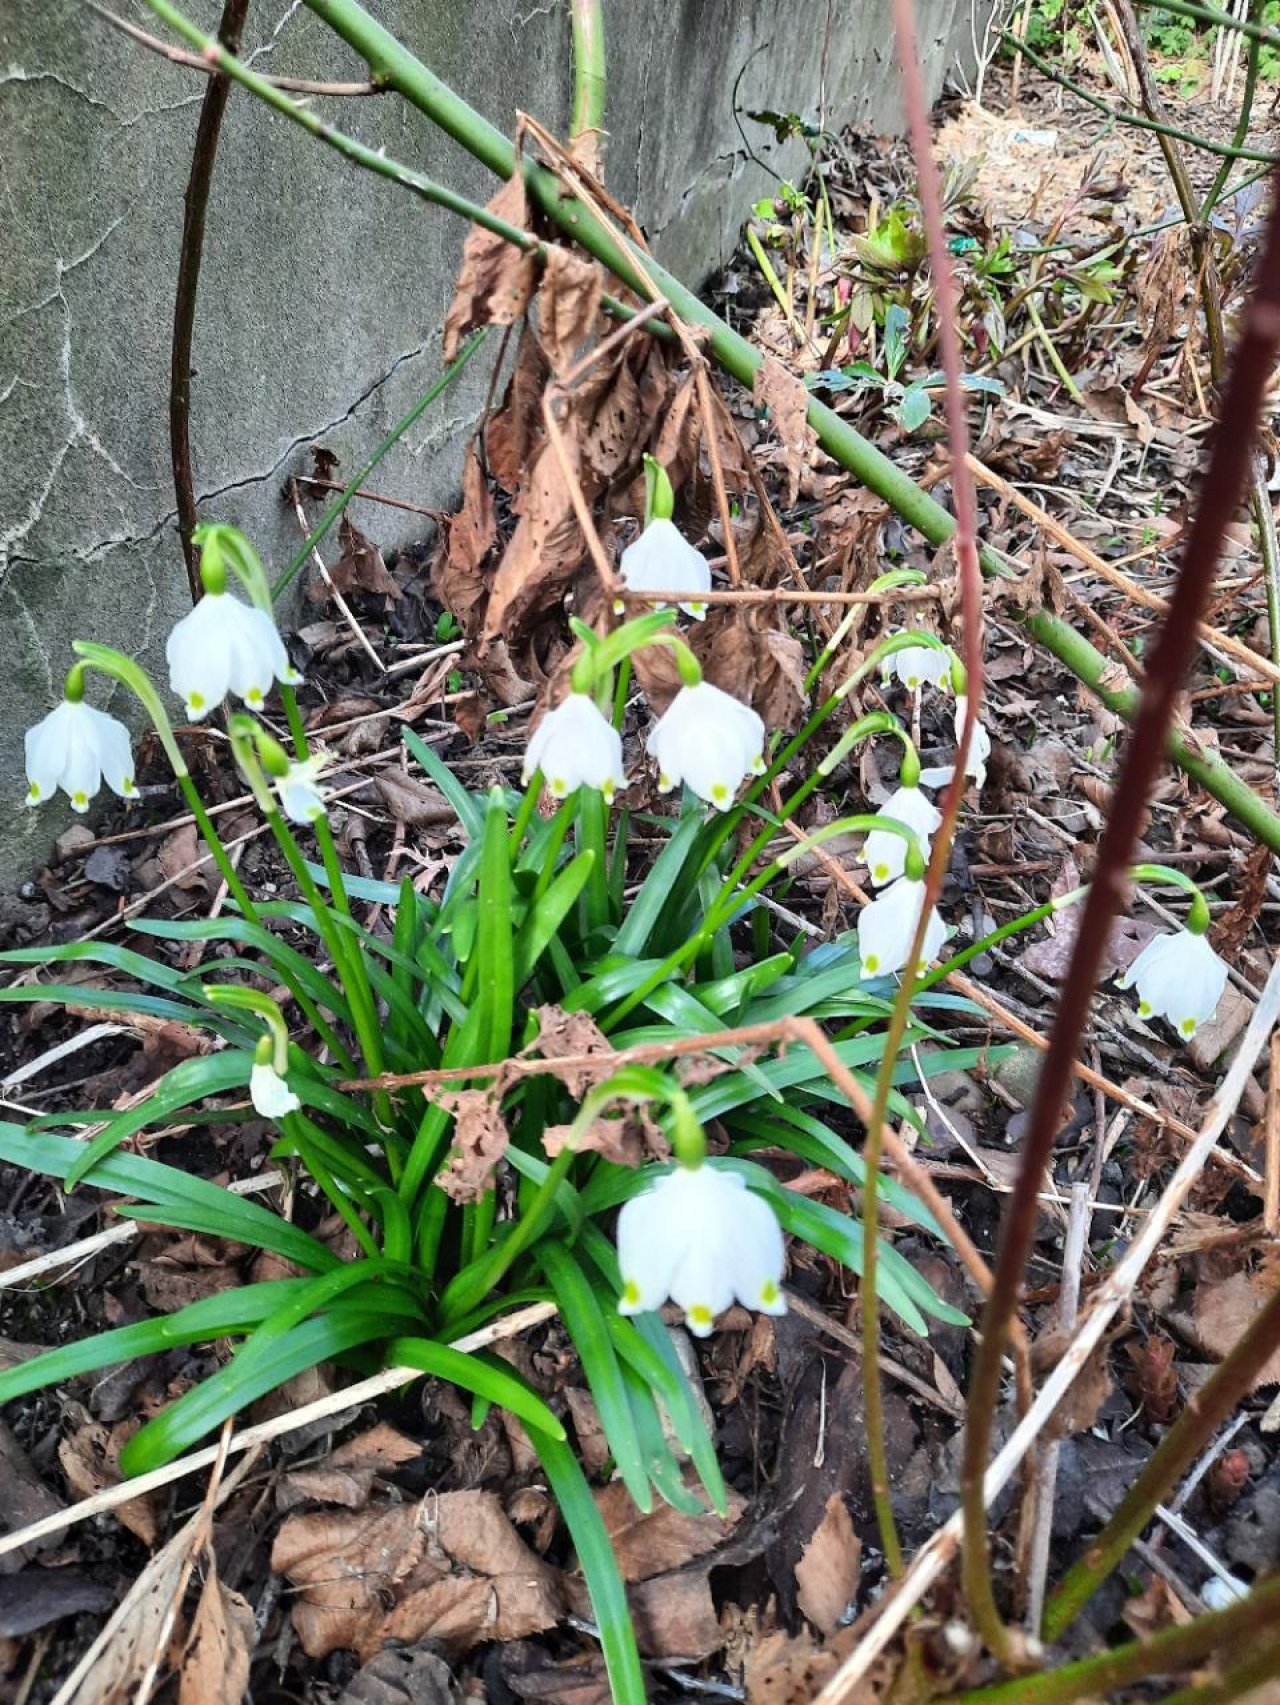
[(576, 746), (224, 647), (975, 766), (710, 740), (700, 1237), (885, 853), (662, 559), (917, 666), (887, 927), (270, 1093), (1178, 977), (301, 796), (77, 748)]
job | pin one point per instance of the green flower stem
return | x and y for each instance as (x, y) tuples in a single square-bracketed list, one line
[(591, 822), (412, 79), (524, 815), (212, 840), (621, 692), (1198, 918), (589, 80), (1170, 1650), (292, 1126), (1028, 920)]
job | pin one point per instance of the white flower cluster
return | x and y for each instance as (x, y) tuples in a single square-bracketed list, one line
[(705, 737)]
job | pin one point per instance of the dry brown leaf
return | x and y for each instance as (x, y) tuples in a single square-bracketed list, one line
[(128, 1644), (1079, 1406), (480, 1139), (347, 1475), (90, 1459), (675, 1617), (568, 305), (781, 1670), (741, 653), (414, 803), (666, 1538), (828, 1571), (627, 1138), (451, 1568), (497, 279), (177, 852), (541, 555), (1230, 930), (566, 1035), (360, 568), (1223, 1311), (219, 1649), (399, 1677), (515, 431), (787, 400)]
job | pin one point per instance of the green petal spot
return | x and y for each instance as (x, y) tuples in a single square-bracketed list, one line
[(881, 873), (33, 793), (913, 681), (872, 962), (1145, 1009), (559, 787), (769, 1293), (1187, 1027), (253, 696), (665, 783), (127, 788), (719, 793), (700, 1315), (195, 701), (607, 792), (80, 797), (631, 1294)]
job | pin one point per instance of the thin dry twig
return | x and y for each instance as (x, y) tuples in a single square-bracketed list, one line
[(1113, 1294)]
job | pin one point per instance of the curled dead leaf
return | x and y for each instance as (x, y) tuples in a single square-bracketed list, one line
[(219, 1648), (742, 653), (568, 1035), (828, 1569), (568, 306), (787, 400), (480, 1139), (496, 280)]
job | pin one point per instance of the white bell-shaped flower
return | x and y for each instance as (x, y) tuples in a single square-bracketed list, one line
[(918, 666), (700, 1237), (887, 927), (301, 796), (885, 853), (224, 647), (975, 765), (576, 746), (77, 748), (270, 1093), (1178, 977), (710, 740), (663, 560)]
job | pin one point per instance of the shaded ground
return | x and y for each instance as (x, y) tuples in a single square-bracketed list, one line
[(754, 1604)]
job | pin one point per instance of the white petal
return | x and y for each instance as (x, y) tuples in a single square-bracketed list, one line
[(115, 752), (885, 853), (46, 746), (646, 1255), (199, 664), (887, 926), (270, 1094), (917, 666), (574, 746), (1178, 977), (301, 796), (979, 744), (663, 560), (708, 739)]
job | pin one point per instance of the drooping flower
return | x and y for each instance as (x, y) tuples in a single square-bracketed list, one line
[(269, 1092), (662, 559), (301, 796), (887, 927), (224, 647), (77, 748), (975, 765), (700, 1237), (917, 666), (710, 740), (883, 852), (1178, 977), (576, 746)]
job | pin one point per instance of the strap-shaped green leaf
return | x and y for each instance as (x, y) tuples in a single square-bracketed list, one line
[(484, 1378)]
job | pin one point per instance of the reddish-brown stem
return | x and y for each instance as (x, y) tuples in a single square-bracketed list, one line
[(1219, 500), (946, 302), (195, 205)]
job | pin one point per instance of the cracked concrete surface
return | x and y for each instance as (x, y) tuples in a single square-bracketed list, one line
[(323, 290)]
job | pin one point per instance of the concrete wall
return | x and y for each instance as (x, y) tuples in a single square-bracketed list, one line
[(323, 289)]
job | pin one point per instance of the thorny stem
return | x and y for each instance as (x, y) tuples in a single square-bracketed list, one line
[(195, 206), (1170, 1650), (1186, 1438), (966, 549), (1220, 495)]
